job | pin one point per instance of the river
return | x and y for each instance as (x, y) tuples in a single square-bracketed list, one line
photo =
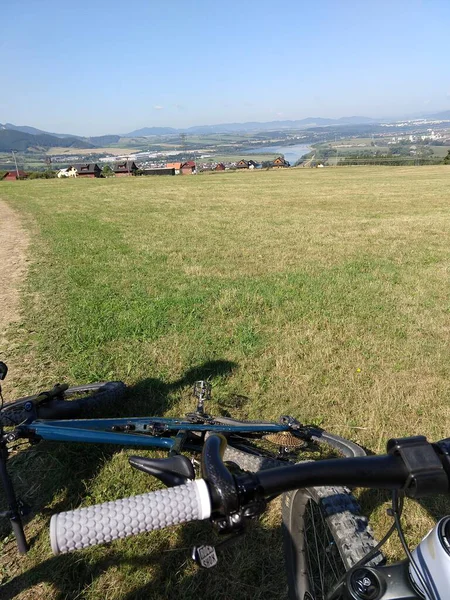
[(291, 153)]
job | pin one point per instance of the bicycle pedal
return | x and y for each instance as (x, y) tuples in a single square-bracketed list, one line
[(202, 390), (205, 556)]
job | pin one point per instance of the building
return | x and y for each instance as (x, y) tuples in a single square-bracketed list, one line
[(158, 171), (12, 175), (219, 167), (188, 168), (242, 164), (176, 166), (280, 163), (126, 168), (253, 165), (247, 164), (88, 170)]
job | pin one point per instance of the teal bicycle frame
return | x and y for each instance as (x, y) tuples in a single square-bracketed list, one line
[(136, 431)]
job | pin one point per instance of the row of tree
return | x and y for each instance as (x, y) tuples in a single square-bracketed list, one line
[(396, 156)]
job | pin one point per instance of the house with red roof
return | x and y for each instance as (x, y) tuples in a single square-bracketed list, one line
[(188, 168), (14, 175)]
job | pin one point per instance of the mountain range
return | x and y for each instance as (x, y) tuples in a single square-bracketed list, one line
[(276, 125), (218, 128), (22, 137), (252, 126)]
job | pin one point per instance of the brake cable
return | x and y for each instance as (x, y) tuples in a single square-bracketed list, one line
[(396, 513)]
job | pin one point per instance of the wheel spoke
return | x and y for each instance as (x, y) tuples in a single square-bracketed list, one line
[(325, 566)]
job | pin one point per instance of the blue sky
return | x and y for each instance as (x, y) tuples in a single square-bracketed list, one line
[(110, 67)]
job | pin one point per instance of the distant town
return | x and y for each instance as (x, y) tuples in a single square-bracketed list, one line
[(129, 168), (415, 141)]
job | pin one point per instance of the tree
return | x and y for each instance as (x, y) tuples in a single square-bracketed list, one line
[(107, 171), (446, 160), (47, 174)]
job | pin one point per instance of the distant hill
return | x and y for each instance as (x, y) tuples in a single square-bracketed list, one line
[(11, 139), (277, 125), (252, 126), (249, 126), (22, 128), (146, 131), (440, 116), (33, 130), (21, 137), (102, 140)]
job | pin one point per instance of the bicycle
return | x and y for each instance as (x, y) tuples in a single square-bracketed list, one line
[(229, 497), (61, 401), (252, 446)]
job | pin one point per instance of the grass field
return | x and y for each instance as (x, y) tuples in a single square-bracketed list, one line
[(440, 151), (353, 145), (327, 289)]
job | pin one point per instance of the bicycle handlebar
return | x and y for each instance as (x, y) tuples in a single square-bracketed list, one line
[(412, 465), (101, 523)]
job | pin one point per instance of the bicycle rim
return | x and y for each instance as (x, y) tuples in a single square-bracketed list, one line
[(324, 535), (324, 565)]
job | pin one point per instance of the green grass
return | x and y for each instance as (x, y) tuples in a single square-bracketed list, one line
[(440, 151), (327, 289)]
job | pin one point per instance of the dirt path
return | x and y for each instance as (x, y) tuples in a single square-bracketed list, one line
[(309, 161), (14, 240)]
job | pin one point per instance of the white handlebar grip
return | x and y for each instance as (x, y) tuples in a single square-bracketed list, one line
[(101, 523)]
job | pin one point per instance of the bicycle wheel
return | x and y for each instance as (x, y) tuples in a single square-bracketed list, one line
[(78, 401), (324, 533), (324, 536)]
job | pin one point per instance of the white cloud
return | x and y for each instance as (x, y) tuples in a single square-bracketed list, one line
[(157, 107)]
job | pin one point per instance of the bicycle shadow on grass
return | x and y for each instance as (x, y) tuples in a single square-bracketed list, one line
[(251, 569), (151, 397), (65, 469)]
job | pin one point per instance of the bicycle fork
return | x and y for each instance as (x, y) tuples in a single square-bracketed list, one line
[(15, 508), (14, 514)]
